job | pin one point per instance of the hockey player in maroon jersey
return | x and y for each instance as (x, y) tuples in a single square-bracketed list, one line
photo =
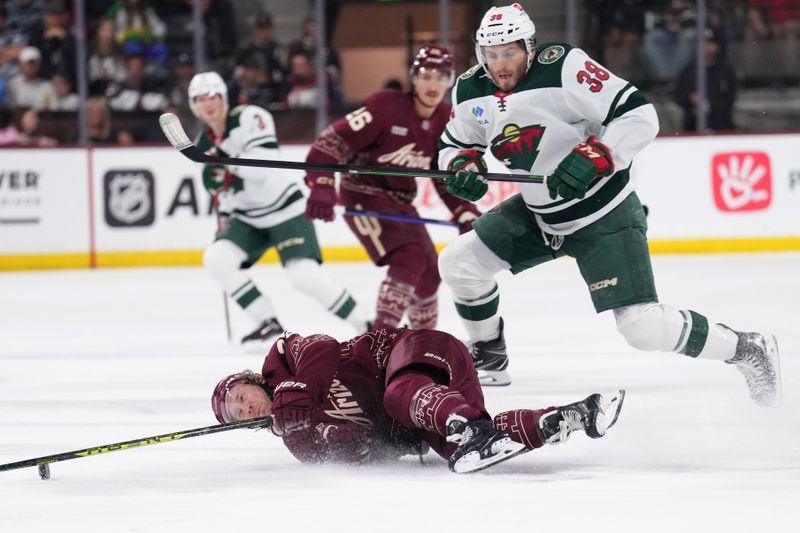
[(393, 392), (393, 128)]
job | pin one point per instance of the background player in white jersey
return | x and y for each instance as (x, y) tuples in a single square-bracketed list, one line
[(258, 209), (554, 111)]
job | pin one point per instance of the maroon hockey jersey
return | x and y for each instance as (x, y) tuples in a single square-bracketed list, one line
[(349, 422), (386, 131)]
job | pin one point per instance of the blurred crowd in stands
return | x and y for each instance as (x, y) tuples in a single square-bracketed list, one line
[(139, 61)]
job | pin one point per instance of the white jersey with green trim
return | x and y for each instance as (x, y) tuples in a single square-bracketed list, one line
[(261, 197), (563, 99)]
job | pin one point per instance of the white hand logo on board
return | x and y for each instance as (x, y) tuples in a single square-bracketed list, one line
[(739, 181)]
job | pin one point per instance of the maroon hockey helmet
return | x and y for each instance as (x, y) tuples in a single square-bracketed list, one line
[(432, 57), (222, 389)]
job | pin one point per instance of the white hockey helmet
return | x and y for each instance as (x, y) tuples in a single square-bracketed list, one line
[(207, 83), (503, 25)]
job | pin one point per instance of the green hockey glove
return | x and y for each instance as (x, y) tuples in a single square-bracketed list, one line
[(572, 176), (467, 181)]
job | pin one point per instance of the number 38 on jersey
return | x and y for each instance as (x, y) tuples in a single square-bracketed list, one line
[(593, 76)]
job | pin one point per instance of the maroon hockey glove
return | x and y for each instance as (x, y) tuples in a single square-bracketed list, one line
[(322, 198), (574, 174), (292, 407), (465, 215), (347, 442)]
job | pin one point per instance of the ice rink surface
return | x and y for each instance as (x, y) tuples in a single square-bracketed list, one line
[(96, 357)]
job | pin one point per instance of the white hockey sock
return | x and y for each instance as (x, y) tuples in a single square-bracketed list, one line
[(721, 343), (307, 276), (223, 260), (654, 326), (483, 330), (468, 267)]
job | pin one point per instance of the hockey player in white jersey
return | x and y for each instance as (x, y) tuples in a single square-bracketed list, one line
[(552, 110), (258, 209)]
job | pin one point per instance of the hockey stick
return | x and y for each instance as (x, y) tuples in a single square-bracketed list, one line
[(42, 462), (225, 296), (399, 218), (227, 316), (172, 128)]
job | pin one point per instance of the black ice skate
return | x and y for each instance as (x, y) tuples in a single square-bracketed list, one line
[(480, 445), (491, 360), (594, 415), (258, 339), (757, 358)]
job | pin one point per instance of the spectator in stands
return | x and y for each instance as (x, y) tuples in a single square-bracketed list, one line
[(269, 53), (720, 89), (138, 29), (8, 130), (303, 91), (66, 98), (779, 19), (11, 43), (54, 41), (138, 92), (668, 44), (221, 37), (177, 94), (393, 83), (98, 121), (106, 62), (250, 86), (30, 133), (307, 44), (27, 89), (25, 17)]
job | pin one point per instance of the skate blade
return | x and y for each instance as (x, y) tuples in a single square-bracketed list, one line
[(610, 407), (774, 357), (494, 378), (506, 449)]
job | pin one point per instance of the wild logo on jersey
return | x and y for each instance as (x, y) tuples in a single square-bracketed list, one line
[(517, 147)]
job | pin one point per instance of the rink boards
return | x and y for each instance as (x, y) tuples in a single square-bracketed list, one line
[(83, 207)]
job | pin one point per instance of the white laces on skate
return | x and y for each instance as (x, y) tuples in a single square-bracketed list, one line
[(571, 421), (759, 366)]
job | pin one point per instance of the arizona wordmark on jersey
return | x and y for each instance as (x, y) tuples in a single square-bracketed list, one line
[(260, 197), (563, 99)]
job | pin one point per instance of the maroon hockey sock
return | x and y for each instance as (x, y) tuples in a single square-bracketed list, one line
[(393, 300), (423, 313), (416, 401), (522, 425)]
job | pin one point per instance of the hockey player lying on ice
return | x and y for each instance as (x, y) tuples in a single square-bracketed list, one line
[(394, 392)]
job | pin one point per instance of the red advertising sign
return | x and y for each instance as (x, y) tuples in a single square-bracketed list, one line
[(742, 181)]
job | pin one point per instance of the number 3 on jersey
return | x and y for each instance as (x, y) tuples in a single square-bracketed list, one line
[(594, 78), (358, 118)]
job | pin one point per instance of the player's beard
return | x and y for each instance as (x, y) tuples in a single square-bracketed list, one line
[(509, 83)]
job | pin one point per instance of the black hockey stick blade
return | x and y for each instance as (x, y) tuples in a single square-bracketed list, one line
[(255, 423), (176, 135)]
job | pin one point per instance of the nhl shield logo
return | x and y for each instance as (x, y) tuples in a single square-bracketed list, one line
[(129, 198), (517, 146)]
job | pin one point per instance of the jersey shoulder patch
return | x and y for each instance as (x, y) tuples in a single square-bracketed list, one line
[(551, 54), (474, 83), (546, 68), (471, 72)]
